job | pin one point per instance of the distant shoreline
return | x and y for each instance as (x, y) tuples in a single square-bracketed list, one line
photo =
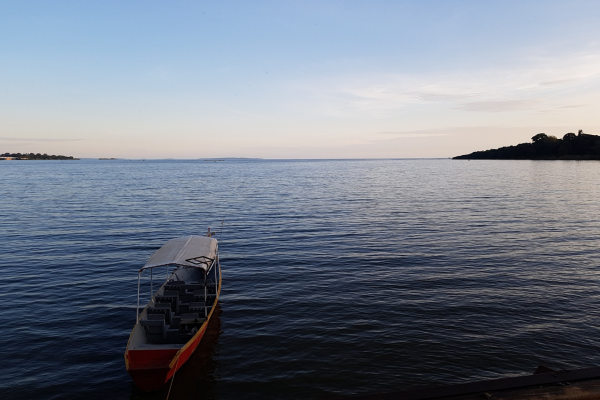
[(565, 158), (34, 156), (543, 147)]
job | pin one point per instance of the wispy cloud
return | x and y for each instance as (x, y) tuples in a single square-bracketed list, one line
[(561, 108), (573, 106), (404, 134), (500, 106), (556, 82), (536, 83)]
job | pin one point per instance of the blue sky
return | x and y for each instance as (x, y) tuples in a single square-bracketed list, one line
[(282, 79)]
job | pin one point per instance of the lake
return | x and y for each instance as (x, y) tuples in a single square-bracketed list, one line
[(339, 276)]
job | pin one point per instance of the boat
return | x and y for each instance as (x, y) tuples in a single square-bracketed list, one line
[(173, 322)]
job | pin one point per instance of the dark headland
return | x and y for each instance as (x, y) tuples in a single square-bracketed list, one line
[(572, 146), (33, 156)]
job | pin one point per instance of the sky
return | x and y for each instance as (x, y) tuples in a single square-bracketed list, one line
[(294, 79)]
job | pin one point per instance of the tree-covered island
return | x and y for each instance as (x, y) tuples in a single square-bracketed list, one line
[(543, 147), (33, 156)]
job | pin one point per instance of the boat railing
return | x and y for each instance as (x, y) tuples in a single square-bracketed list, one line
[(211, 268)]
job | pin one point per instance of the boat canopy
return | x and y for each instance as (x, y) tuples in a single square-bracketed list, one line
[(187, 251)]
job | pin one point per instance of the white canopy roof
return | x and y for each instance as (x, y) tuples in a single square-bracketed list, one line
[(189, 251)]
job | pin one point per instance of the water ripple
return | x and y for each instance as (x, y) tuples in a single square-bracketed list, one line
[(339, 276)]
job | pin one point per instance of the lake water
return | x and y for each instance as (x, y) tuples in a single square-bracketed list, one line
[(339, 277)]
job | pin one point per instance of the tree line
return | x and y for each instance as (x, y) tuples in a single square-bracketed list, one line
[(580, 146), (35, 156)]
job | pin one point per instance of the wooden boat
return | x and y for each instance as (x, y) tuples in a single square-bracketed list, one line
[(171, 325)]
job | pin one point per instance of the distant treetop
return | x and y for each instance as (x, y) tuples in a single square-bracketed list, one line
[(34, 156), (580, 146)]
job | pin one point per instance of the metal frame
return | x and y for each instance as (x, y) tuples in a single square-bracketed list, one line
[(203, 265)]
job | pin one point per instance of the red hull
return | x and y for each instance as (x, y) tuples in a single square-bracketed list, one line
[(151, 369)]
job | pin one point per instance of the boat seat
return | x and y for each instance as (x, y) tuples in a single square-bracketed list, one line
[(170, 301), (155, 327), (197, 304), (161, 308), (178, 286), (199, 296), (184, 308), (200, 293), (193, 286), (190, 323), (175, 294), (173, 336), (171, 297), (190, 316), (198, 307), (186, 298)]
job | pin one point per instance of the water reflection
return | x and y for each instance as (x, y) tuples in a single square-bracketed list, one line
[(196, 379)]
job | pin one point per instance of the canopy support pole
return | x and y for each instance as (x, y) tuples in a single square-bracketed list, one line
[(137, 309), (205, 305), (151, 285)]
